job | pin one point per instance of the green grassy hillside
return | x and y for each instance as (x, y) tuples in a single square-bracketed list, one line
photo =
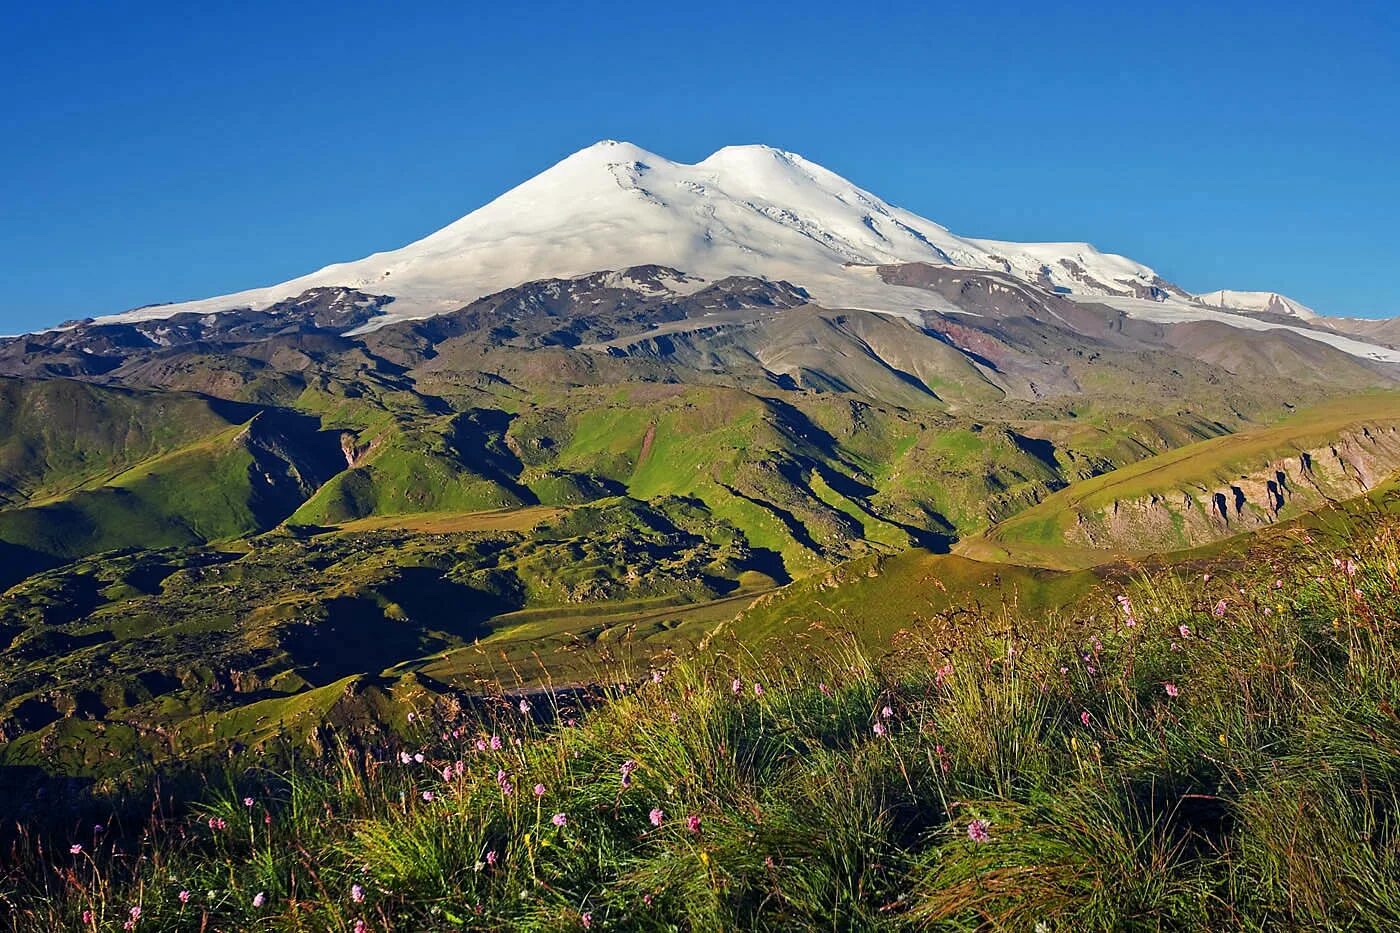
[(1207, 490), (1174, 752)]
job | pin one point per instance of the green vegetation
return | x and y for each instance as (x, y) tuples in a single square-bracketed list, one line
[(1189, 750), (1213, 489)]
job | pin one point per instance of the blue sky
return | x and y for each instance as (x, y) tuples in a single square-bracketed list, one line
[(184, 150)]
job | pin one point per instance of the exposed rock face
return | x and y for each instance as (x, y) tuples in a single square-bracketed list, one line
[(1356, 462)]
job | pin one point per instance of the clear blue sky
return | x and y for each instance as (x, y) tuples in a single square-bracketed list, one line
[(164, 151)]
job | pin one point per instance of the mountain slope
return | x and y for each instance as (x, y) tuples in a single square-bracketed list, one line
[(1207, 491)]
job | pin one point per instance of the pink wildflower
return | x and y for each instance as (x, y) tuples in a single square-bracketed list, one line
[(1171, 689), (491, 857), (586, 919), (217, 823), (658, 816), (1184, 631), (736, 686), (88, 918), (360, 927), (428, 796), (259, 899), (826, 691), (247, 801), (539, 790), (1219, 611), (76, 848), (692, 823), (887, 712), (1084, 718), (758, 690), (879, 728), (524, 706), (184, 897), (495, 743), (559, 819), (656, 677), (357, 894), (977, 831)]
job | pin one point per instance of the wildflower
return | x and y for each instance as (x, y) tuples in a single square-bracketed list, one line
[(1084, 718), (559, 819), (495, 743), (1219, 611), (76, 848), (1205, 578), (977, 831), (692, 823), (184, 897), (656, 677), (360, 927), (586, 919), (412, 716), (646, 899), (428, 796), (357, 894), (758, 690), (259, 899), (879, 728), (628, 767), (491, 857), (524, 706), (459, 767), (1171, 689), (942, 757), (658, 816), (418, 757), (1184, 630), (736, 686), (135, 912), (88, 918), (217, 823), (481, 745), (539, 790), (97, 829), (826, 691)]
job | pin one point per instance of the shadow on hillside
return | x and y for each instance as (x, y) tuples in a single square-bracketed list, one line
[(417, 613)]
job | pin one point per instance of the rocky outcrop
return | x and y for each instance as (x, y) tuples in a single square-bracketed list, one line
[(1355, 462)]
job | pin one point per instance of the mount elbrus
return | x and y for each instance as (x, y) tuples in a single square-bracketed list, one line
[(626, 403)]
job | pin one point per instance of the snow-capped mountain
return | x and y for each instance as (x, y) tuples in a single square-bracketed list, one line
[(748, 211), (745, 210), (1257, 303)]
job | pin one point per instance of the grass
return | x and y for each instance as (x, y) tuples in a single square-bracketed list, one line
[(1044, 534), (1181, 752)]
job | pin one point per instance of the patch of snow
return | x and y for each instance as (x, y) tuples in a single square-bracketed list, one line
[(1258, 302), (1175, 311)]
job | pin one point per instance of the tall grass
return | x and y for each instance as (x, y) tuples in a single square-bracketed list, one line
[(1193, 752)]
